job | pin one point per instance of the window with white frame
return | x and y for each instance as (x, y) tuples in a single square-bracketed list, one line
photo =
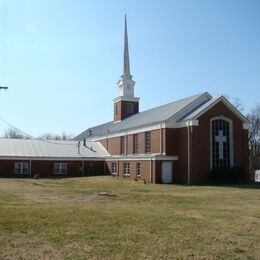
[(114, 167), (138, 169), (22, 168), (60, 168), (221, 141), (126, 168)]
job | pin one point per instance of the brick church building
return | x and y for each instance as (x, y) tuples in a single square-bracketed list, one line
[(179, 142), (174, 143)]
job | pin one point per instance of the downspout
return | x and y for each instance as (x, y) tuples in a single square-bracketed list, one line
[(117, 168), (125, 143), (104, 167), (151, 170), (82, 166), (30, 167), (188, 143), (160, 138)]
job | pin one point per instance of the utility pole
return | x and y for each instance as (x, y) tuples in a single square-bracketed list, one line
[(5, 88)]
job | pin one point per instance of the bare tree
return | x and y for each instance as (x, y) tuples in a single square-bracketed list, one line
[(63, 136), (254, 138), (237, 103), (14, 134)]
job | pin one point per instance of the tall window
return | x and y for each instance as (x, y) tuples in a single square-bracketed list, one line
[(129, 108), (138, 169), (60, 168), (221, 143), (122, 144), (114, 167), (135, 143), (21, 168), (147, 142), (126, 168)]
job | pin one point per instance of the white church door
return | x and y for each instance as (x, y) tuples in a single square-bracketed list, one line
[(166, 172)]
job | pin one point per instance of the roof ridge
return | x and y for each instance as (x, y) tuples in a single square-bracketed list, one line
[(147, 117)]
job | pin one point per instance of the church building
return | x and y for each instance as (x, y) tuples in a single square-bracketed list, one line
[(179, 142)]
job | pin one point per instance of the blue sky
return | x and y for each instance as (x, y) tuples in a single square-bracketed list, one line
[(61, 59)]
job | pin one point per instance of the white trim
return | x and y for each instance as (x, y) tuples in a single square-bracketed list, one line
[(22, 168), (83, 168), (126, 169), (129, 132), (59, 172), (160, 138), (228, 104), (150, 170), (191, 106), (30, 165), (188, 143), (121, 98), (116, 168), (143, 158), (230, 139)]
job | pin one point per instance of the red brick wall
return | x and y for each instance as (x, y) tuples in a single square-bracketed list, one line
[(113, 144), (122, 109), (46, 168), (177, 145), (201, 142), (145, 168)]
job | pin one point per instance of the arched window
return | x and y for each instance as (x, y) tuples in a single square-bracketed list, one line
[(221, 143)]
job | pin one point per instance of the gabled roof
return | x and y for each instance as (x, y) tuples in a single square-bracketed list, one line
[(147, 118), (28, 148), (205, 107)]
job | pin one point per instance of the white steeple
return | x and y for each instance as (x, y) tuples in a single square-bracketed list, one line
[(125, 83)]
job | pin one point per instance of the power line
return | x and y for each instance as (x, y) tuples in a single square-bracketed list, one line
[(33, 137)]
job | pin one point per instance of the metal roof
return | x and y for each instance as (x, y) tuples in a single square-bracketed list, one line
[(197, 112), (31, 148), (146, 118)]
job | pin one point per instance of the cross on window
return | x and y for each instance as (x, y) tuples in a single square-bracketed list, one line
[(221, 139)]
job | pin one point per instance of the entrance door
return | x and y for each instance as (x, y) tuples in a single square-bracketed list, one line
[(166, 172)]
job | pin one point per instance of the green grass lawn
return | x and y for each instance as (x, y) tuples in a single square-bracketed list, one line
[(69, 219)]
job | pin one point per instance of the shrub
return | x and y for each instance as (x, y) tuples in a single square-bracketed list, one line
[(233, 175)]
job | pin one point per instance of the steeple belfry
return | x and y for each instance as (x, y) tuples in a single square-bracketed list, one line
[(126, 103)]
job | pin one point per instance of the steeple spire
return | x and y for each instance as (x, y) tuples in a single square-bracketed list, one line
[(125, 83), (126, 104), (126, 70)]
